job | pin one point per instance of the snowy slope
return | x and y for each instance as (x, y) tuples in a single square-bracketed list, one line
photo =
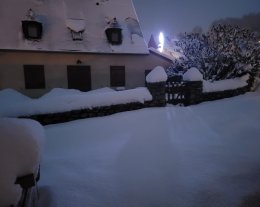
[(56, 16), (203, 155)]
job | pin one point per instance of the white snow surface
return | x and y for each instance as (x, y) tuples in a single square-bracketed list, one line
[(158, 74), (228, 84), (60, 103), (10, 96), (202, 155), (193, 74), (55, 92), (21, 146)]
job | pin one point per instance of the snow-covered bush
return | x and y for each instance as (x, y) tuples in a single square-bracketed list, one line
[(237, 49), (225, 52), (197, 53)]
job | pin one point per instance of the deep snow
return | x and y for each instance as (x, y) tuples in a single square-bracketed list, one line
[(200, 156), (21, 146)]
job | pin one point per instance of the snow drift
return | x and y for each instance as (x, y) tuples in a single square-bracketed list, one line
[(21, 143)]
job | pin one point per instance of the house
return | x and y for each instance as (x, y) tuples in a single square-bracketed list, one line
[(81, 44)]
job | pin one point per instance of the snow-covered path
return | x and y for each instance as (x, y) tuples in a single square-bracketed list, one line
[(205, 155)]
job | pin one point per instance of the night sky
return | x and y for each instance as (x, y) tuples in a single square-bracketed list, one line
[(174, 16)]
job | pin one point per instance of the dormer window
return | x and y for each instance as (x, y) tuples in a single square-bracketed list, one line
[(114, 33), (76, 27), (32, 29)]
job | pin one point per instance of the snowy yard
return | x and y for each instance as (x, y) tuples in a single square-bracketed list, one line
[(200, 156)]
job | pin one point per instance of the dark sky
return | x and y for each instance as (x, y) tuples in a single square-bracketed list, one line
[(174, 16)]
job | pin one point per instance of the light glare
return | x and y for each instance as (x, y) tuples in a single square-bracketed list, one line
[(161, 42)]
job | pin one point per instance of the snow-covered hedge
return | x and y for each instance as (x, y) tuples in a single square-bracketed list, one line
[(21, 143), (74, 101), (223, 85)]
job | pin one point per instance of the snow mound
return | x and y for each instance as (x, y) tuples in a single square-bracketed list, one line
[(21, 144), (223, 85), (193, 74), (101, 90), (10, 96), (158, 74), (57, 92), (60, 92)]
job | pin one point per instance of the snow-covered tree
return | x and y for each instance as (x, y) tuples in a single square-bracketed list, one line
[(197, 53), (237, 49), (224, 52)]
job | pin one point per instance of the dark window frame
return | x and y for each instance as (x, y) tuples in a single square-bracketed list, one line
[(111, 33), (115, 73), (34, 77), (26, 25), (72, 77)]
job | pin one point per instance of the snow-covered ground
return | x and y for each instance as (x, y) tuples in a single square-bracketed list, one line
[(200, 156)]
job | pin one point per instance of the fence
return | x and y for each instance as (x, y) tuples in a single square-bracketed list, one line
[(183, 92), (176, 92)]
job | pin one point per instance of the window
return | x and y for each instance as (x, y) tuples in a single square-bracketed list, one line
[(32, 29), (114, 36), (34, 76), (77, 36), (117, 76), (79, 77)]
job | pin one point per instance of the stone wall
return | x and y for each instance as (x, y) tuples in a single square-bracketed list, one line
[(158, 92), (193, 95), (193, 92)]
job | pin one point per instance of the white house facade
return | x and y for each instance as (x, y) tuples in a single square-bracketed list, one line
[(82, 44)]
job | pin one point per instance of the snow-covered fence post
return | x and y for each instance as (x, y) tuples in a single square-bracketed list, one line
[(156, 81), (194, 86), (194, 92)]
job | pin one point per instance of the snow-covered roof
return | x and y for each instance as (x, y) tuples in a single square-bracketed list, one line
[(60, 16), (161, 54)]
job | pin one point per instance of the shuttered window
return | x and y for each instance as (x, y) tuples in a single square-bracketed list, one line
[(117, 76), (79, 77), (34, 76)]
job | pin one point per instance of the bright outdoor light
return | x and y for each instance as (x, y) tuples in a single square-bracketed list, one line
[(161, 42)]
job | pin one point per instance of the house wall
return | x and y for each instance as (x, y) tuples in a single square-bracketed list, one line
[(55, 66)]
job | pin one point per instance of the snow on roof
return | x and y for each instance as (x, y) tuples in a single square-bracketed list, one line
[(60, 15), (164, 55), (158, 74)]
